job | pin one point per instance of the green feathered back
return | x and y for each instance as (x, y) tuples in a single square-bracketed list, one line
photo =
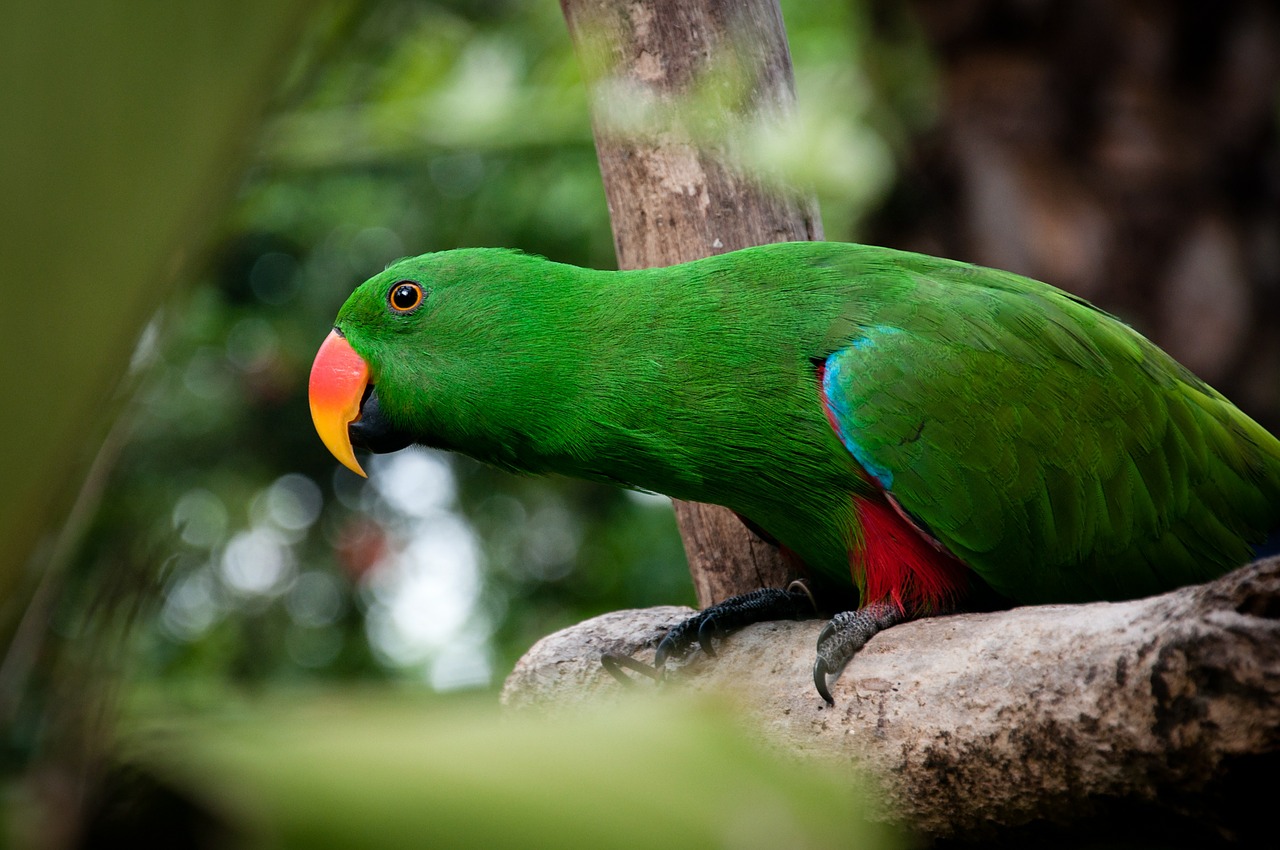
[(1048, 446)]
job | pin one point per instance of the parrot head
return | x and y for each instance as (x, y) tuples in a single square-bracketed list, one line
[(417, 352), (345, 406)]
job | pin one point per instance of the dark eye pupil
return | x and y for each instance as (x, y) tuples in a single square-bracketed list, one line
[(405, 297)]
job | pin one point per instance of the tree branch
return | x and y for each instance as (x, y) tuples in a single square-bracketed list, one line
[(1164, 709)]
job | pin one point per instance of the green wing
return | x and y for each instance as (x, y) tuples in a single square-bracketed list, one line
[(1050, 447)]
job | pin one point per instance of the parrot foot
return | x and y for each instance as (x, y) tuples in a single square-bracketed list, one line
[(758, 606), (614, 664), (847, 633)]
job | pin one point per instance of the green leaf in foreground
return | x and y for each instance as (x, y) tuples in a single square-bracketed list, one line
[(380, 771)]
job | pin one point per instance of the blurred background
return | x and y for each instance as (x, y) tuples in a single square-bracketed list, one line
[(193, 194)]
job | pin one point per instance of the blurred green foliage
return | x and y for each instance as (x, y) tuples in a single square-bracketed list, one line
[(382, 770), (123, 129), (124, 134)]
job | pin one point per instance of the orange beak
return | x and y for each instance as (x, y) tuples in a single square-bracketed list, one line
[(338, 379)]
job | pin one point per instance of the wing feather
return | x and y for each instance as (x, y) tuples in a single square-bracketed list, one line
[(1050, 447)]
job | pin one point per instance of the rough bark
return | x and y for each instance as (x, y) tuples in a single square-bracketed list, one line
[(674, 84), (1157, 717)]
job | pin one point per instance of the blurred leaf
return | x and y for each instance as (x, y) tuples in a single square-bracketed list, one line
[(381, 771), (124, 125)]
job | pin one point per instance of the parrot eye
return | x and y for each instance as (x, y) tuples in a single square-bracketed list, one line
[(405, 296)]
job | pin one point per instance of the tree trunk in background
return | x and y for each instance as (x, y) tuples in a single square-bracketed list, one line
[(671, 83), (1126, 151)]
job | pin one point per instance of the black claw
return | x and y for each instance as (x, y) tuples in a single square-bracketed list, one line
[(706, 630), (845, 635), (614, 664), (820, 681), (827, 631), (726, 617)]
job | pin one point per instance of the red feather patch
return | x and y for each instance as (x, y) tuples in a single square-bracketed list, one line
[(902, 565)]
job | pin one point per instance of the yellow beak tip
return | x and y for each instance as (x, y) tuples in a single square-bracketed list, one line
[(338, 379)]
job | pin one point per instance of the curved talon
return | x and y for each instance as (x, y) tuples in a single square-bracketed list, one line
[(614, 664), (666, 647), (820, 681), (802, 586), (827, 631), (716, 622), (706, 630)]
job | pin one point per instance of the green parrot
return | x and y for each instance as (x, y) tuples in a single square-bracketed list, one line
[(916, 428)]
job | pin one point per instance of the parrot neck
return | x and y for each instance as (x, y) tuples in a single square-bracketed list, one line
[(684, 381), (637, 378), (691, 381)]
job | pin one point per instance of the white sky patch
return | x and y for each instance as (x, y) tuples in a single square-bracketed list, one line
[(425, 610), (258, 562), (483, 87), (293, 502), (416, 483), (425, 613)]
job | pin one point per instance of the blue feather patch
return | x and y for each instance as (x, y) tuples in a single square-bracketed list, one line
[(869, 340), (839, 409)]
